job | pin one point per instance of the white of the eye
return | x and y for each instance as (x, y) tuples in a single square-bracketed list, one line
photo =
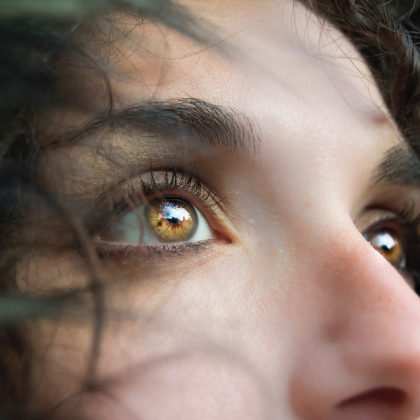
[(125, 230), (203, 231), (128, 229)]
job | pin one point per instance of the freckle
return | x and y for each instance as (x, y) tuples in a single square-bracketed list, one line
[(159, 224)]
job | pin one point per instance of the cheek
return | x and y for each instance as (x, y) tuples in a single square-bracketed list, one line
[(201, 385)]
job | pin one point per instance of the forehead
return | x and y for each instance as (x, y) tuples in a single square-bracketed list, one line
[(277, 50), (300, 80)]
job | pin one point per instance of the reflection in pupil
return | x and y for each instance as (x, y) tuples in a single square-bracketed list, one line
[(175, 214), (171, 219), (386, 242), (389, 246)]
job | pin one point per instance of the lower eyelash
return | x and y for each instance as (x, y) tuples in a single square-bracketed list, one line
[(181, 247), (143, 253)]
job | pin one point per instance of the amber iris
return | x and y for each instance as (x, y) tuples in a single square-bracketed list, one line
[(388, 245), (171, 219)]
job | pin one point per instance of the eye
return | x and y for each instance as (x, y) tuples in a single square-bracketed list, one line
[(163, 220), (397, 241), (387, 243)]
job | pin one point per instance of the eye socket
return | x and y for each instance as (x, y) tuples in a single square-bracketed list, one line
[(162, 220), (387, 243)]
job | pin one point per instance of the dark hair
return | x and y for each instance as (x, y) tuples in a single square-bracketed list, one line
[(35, 37), (387, 36)]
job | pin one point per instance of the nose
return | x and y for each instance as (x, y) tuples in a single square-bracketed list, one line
[(362, 360)]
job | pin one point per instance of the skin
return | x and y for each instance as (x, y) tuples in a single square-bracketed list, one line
[(290, 314)]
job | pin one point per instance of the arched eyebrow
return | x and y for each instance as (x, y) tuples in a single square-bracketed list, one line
[(198, 120), (400, 166)]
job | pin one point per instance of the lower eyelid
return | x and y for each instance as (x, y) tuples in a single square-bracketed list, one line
[(136, 254)]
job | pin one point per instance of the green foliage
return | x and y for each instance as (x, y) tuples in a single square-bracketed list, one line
[(13, 309), (55, 9)]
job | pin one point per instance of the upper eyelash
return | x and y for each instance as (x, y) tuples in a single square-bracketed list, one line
[(406, 215), (174, 180), (109, 206), (409, 215)]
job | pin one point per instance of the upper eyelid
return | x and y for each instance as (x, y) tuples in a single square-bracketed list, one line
[(186, 178), (406, 216), (102, 214), (185, 183), (372, 217)]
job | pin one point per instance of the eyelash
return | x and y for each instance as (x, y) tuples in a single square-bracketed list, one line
[(406, 218), (170, 181)]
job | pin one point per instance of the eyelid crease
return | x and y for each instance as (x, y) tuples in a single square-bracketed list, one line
[(374, 216), (408, 215)]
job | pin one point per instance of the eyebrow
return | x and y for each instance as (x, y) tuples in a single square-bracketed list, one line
[(214, 125), (400, 166)]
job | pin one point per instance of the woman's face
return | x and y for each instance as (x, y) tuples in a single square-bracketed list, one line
[(231, 207)]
